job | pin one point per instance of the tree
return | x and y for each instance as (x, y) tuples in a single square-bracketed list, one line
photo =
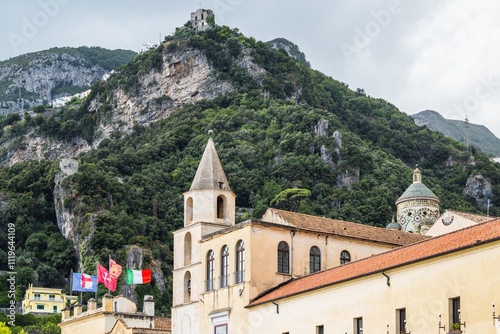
[(4, 329), (290, 198)]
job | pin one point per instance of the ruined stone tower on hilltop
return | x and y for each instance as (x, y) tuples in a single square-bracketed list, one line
[(201, 18)]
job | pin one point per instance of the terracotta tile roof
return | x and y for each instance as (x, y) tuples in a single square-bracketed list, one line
[(451, 242), (472, 216), (348, 229), (163, 323)]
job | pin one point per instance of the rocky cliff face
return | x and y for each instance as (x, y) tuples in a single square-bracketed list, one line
[(69, 223), (135, 259), (35, 148), (184, 78), (37, 79), (480, 188)]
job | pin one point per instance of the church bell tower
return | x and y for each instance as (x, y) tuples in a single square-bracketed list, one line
[(209, 206)]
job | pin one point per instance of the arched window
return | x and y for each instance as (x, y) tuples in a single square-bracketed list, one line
[(189, 211), (224, 267), (221, 207), (187, 287), (283, 258), (314, 259), (240, 262), (210, 270), (345, 257), (187, 249)]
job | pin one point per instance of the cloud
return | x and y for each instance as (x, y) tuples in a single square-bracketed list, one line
[(429, 55)]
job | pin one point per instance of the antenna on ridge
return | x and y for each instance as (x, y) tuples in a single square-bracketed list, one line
[(467, 143)]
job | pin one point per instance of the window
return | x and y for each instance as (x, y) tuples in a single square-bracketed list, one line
[(54, 309), (224, 268), (189, 211), (40, 307), (320, 329), (52, 297), (358, 326), (37, 296), (283, 258), (345, 257), (187, 249), (221, 208), (187, 287), (314, 259), (401, 320), (210, 270), (455, 311), (240, 262), (220, 329)]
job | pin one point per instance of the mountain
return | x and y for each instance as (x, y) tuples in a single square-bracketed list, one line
[(291, 49), (479, 135), (39, 77), (136, 140)]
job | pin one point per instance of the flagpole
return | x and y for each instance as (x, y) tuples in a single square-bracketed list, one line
[(109, 269), (97, 275), (70, 286)]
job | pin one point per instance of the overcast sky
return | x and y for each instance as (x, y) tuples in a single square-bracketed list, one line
[(426, 54)]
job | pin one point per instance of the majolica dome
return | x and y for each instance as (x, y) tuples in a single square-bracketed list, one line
[(417, 189)]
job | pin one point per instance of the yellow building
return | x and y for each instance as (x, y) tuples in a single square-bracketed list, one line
[(220, 266), (43, 300), (434, 286)]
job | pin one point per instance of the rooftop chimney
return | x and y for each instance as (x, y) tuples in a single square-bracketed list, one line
[(149, 305)]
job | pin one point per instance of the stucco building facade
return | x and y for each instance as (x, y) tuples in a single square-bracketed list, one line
[(221, 266), (39, 300), (117, 315), (422, 288)]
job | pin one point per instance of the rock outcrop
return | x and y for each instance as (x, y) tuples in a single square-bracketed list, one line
[(480, 188), (37, 80)]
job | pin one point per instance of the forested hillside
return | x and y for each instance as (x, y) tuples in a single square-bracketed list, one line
[(277, 126)]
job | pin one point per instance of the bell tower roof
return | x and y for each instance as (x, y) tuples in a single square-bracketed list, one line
[(210, 174)]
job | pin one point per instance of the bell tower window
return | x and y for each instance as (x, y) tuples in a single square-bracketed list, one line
[(187, 287), (221, 208), (189, 211), (187, 249)]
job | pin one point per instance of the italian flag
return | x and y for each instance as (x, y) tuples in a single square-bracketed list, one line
[(138, 276)]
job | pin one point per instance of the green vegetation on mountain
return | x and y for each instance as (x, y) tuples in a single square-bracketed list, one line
[(479, 135), (108, 59), (291, 48), (349, 155)]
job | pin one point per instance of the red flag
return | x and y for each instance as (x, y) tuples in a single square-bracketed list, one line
[(103, 276), (114, 269)]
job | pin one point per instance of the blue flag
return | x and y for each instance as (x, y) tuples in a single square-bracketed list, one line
[(84, 282)]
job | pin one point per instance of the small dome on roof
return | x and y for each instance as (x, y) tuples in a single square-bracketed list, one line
[(393, 226)]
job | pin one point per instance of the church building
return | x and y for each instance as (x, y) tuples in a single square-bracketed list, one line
[(220, 267)]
